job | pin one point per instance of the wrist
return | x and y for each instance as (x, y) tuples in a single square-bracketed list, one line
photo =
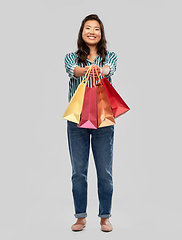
[(105, 70)]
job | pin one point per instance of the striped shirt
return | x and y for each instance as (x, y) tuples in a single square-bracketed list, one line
[(70, 63)]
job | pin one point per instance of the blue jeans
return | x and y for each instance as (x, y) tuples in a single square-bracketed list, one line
[(102, 148)]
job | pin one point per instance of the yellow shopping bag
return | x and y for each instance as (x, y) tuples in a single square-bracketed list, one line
[(74, 108)]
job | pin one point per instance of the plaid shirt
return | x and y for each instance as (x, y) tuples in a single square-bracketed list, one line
[(70, 63)]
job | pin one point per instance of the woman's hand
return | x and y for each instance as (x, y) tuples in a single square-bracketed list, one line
[(81, 71), (92, 72), (105, 70)]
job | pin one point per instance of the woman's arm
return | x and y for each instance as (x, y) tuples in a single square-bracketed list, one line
[(111, 61), (80, 71)]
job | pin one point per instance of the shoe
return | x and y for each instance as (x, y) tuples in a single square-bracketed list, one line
[(106, 226), (79, 225)]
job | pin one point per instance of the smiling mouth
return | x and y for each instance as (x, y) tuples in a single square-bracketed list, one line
[(91, 38)]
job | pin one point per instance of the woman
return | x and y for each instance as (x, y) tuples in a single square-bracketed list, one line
[(91, 50)]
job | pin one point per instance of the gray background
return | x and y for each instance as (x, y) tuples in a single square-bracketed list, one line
[(36, 198)]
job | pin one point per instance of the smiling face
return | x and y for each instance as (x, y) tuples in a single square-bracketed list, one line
[(91, 33)]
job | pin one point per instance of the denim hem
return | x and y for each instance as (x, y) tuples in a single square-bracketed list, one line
[(80, 215), (105, 216)]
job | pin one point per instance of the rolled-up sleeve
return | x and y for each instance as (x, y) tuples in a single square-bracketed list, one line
[(70, 64), (111, 61)]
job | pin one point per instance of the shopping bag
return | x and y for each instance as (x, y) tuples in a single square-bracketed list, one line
[(104, 111), (89, 109), (74, 108), (117, 103)]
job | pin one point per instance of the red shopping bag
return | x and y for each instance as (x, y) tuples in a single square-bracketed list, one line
[(117, 103), (89, 109)]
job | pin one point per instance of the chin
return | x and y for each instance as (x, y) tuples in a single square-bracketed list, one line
[(91, 43)]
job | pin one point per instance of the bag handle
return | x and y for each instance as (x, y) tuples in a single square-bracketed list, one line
[(99, 71), (97, 79), (87, 75), (93, 78)]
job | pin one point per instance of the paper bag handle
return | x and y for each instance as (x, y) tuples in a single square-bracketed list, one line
[(100, 71), (97, 79), (87, 75)]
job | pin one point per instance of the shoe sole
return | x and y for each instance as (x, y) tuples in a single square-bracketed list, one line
[(78, 230)]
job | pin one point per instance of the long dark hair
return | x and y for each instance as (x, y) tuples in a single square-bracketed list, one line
[(83, 50)]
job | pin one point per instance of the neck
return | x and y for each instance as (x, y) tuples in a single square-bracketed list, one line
[(93, 49)]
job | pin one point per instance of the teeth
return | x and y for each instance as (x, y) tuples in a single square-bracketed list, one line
[(91, 37)]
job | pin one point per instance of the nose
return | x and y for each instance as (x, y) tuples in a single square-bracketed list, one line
[(91, 30)]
